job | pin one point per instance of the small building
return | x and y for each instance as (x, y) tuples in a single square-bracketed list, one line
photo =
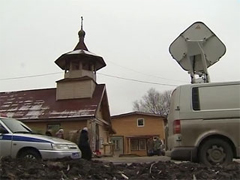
[(133, 130), (77, 101)]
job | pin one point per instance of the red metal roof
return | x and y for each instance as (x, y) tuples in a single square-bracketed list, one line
[(41, 104)]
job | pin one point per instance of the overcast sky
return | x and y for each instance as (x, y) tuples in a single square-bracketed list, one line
[(133, 37)]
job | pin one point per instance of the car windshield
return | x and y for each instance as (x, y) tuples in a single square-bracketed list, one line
[(16, 126)]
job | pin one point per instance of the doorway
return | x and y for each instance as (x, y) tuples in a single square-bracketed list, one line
[(118, 145)]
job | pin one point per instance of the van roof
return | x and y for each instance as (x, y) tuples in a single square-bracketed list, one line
[(212, 84)]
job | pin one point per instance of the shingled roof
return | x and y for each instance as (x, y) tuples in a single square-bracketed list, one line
[(41, 104)]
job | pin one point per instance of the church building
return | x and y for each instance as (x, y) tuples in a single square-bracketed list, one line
[(78, 101)]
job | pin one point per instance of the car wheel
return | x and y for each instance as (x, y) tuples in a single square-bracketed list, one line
[(30, 154), (215, 151)]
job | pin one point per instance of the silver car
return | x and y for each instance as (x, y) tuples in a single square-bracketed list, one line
[(18, 141)]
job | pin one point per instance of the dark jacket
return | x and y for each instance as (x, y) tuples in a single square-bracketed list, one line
[(83, 141), (84, 145)]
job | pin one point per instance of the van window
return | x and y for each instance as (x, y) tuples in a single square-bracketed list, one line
[(195, 99), (219, 97)]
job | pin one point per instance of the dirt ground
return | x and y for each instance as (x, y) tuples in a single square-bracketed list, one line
[(96, 169)]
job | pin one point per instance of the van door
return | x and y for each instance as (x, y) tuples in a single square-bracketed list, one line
[(5, 142), (173, 115), (174, 108)]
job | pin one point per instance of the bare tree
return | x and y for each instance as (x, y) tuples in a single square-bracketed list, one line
[(154, 102)]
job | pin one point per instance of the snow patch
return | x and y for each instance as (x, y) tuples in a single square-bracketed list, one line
[(77, 113), (24, 107), (33, 114), (35, 107)]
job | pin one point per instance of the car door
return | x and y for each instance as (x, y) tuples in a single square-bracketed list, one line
[(5, 141)]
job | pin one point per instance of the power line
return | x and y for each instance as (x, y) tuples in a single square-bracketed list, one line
[(23, 77), (148, 82), (118, 77), (143, 73)]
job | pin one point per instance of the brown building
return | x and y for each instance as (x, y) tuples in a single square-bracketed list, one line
[(77, 102), (133, 130)]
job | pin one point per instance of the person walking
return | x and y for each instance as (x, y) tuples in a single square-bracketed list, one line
[(83, 144), (157, 146), (48, 132), (60, 133)]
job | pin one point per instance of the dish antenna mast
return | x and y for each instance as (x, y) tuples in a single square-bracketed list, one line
[(196, 49)]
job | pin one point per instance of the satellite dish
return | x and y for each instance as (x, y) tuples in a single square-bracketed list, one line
[(196, 49)]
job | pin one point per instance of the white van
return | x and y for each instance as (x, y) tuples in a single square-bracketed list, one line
[(204, 123)]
